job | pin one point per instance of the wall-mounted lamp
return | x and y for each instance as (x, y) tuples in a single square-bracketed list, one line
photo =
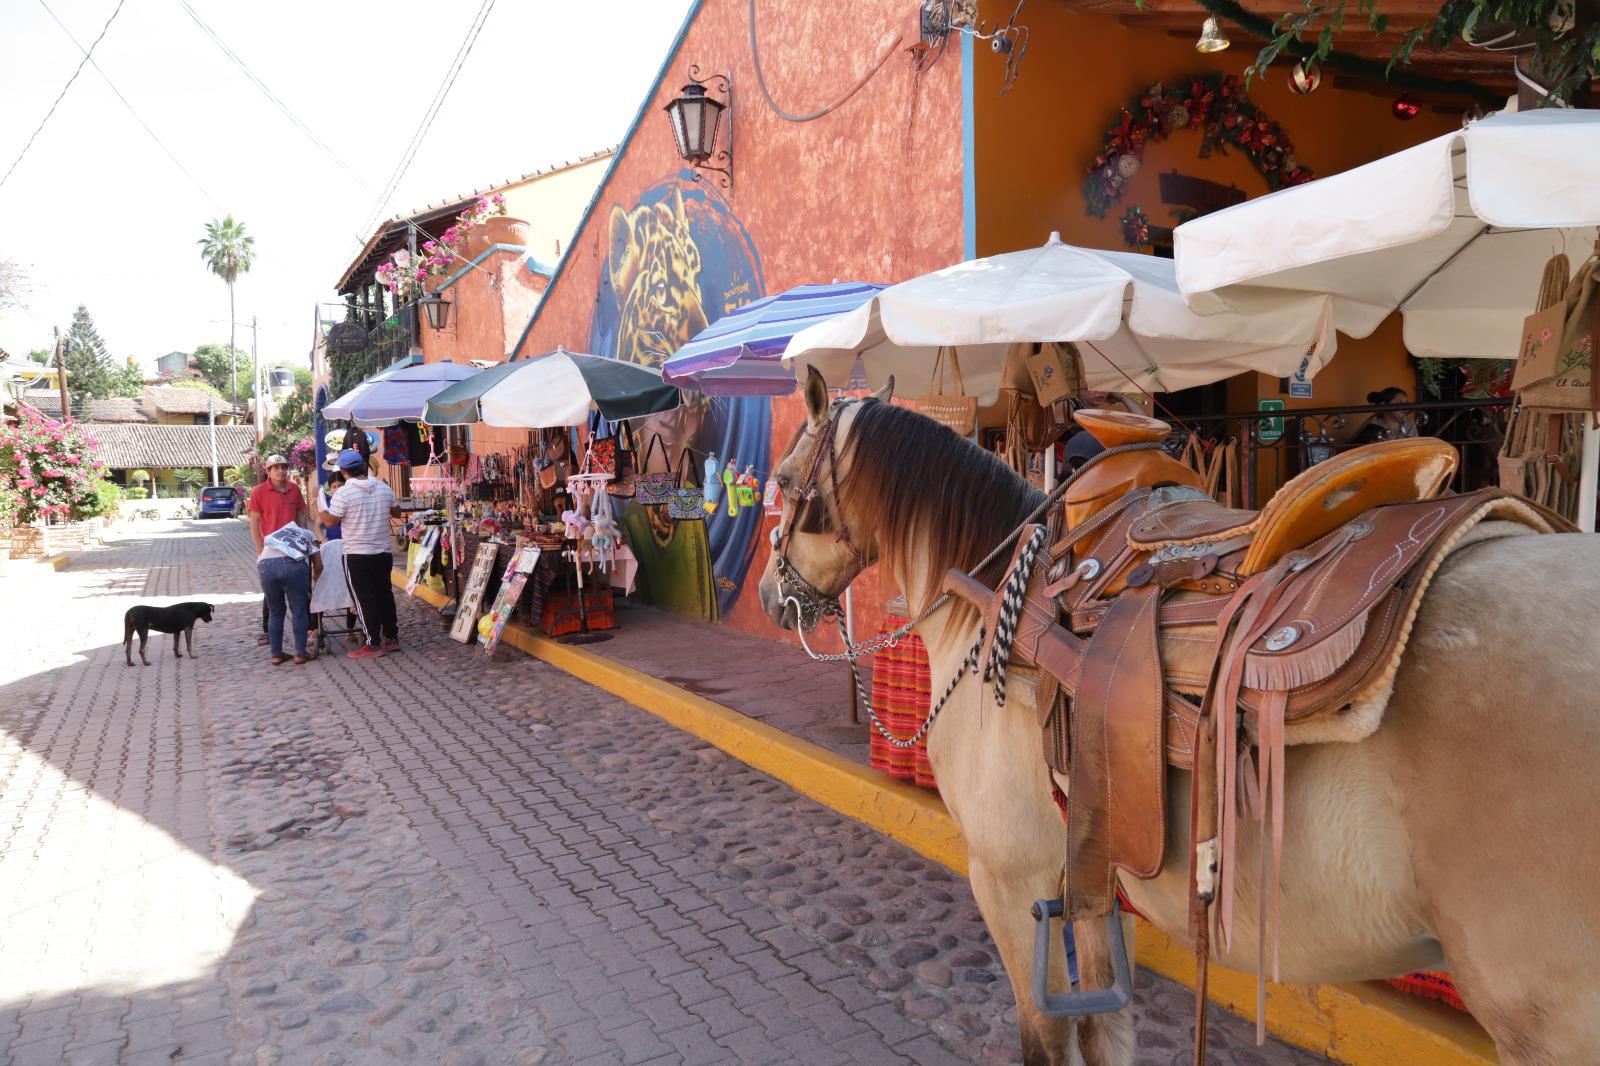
[(437, 309), (696, 119)]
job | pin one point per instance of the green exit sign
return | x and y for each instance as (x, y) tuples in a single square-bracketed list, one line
[(1271, 430)]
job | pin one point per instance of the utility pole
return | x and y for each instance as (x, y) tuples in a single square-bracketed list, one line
[(61, 375), (255, 360), (211, 415)]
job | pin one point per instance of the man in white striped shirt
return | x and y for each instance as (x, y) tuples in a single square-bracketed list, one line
[(363, 506)]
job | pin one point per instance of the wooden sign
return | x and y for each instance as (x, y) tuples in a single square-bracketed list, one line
[(466, 623)]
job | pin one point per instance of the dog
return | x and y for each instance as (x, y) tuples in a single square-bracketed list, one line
[(179, 620)]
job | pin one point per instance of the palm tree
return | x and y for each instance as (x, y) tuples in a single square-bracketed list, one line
[(229, 252)]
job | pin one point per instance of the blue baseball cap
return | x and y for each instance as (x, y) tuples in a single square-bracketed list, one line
[(350, 459)]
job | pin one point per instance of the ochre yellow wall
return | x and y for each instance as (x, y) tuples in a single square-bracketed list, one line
[(552, 205), (1034, 146)]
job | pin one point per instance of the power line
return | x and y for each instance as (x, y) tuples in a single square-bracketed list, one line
[(42, 122), (415, 144), (270, 95), (137, 118)]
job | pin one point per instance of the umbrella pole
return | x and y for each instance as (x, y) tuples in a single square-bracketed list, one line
[(1589, 475)]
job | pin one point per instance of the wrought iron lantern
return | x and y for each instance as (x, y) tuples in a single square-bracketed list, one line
[(696, 120), (437, 309)]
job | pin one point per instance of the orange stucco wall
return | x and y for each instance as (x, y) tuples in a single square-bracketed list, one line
[(870, 192), (1034, 146)]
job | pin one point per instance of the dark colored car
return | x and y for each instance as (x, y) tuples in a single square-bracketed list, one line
[(218, 501)]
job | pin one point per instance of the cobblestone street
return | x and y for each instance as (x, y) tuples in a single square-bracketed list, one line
[(432, 858)]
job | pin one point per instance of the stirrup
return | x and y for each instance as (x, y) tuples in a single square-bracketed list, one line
[(1078, 1004)]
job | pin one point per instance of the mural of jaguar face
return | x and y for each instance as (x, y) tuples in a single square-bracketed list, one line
[(655, 272)]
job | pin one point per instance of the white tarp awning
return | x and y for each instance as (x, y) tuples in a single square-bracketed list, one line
[(1123, 310), (1455, 232)]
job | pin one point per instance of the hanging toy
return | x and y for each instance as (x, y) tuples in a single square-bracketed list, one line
[(603, 531), (713, 484), (730, 478), (575, 521), (769, 498), (749, 488)]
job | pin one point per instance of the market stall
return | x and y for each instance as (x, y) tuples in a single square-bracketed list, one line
[(538, 528)]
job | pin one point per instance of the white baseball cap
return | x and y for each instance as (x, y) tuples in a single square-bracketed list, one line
[(274, 460)]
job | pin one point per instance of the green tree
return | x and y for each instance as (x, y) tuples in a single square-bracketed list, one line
[(128, 380), (1560, 39), (91, 375), (228, 252), (43, 356), (195, 383), (217, 367), (190, 477), (290, 426)]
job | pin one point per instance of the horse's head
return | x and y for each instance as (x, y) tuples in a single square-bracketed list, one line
[(824, 538)]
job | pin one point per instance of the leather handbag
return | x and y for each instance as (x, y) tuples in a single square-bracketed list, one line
[(653, 486), (1554, 368), (687, 502), (1056, 371), (954, 410), (546, 466)]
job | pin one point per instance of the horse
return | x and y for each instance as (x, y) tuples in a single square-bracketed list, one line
[(1458, 834)]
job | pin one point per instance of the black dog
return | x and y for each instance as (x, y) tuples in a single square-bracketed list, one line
[(179, 620)]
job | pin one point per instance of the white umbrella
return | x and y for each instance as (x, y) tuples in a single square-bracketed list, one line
[(1453, 233), (1123, 310)]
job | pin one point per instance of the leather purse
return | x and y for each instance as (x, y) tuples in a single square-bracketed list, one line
[(954, 410), (1056, 371)]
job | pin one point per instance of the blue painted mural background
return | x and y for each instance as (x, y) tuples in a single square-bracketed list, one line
[(678, 260)]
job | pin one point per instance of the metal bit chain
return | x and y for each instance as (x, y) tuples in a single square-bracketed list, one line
[(1015, 590)]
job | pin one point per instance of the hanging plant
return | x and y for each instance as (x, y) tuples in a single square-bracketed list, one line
[(1214, 104)]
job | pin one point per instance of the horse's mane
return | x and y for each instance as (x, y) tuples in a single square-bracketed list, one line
[(932, 489)]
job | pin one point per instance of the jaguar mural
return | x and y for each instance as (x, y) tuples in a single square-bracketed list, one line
[(678, 260)]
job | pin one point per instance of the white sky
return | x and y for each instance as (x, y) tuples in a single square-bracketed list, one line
[(98, 214)]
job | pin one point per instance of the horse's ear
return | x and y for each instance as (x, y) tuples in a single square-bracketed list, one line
[(885, 394), (816, 395)]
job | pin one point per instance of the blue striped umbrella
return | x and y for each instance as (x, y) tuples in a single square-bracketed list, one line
[(740, 354)]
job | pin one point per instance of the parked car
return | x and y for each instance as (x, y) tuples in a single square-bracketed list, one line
[(219, 501)]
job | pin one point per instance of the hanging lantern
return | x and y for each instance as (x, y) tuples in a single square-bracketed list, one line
[(1305, 78), (437, 310), (1406, 107), (1212, 39), (694, 118)]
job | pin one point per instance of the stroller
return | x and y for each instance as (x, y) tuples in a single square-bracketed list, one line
[(330, 596)]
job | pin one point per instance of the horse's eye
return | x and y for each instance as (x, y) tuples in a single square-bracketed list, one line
[(784, 483)]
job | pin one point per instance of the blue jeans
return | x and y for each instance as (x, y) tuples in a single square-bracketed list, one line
[(286, 580)]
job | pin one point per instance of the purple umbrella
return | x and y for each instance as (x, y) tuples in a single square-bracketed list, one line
[(396, 395)]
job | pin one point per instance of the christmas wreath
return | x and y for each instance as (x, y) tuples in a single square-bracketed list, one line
[(1136, 228), (1216, 105)]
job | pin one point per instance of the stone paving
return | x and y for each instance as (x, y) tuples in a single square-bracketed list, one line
[(434, 858)]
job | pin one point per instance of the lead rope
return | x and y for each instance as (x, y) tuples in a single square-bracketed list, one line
[(1005, 634)]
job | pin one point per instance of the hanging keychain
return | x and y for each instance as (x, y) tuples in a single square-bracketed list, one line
[(749, 487), (730, 478), (713, 484)]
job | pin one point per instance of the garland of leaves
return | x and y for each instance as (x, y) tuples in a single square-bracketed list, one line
[(1216, 105)]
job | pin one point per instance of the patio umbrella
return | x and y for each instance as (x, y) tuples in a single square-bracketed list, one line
[(1453, 233), (1123, 310), (740, 354), (557, 389), (392, 396), (458, 404)]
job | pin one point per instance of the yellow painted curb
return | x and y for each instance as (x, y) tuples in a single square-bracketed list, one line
[(1368, 1024), (59, 563)]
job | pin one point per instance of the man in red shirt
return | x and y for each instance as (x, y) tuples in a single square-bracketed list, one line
[(285, 582)]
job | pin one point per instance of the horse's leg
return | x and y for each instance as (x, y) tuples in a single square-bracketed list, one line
[(1103, 1039), (1490, 737), (1006, 904)]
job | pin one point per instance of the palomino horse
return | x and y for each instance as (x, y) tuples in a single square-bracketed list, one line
[(1459, 833)]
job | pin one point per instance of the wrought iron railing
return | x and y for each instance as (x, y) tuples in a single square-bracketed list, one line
[(1276, 445)]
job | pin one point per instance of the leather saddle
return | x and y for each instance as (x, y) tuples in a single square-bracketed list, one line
[(1170, 630)]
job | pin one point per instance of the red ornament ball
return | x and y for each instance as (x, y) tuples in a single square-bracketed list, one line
[(1407, 107)]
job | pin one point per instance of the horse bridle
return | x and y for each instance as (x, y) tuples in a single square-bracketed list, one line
[(811, 603)]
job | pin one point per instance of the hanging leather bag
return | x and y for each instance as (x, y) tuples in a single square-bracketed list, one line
[(626, 482), (955, 410), (1555, 361), (1056, 370)]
